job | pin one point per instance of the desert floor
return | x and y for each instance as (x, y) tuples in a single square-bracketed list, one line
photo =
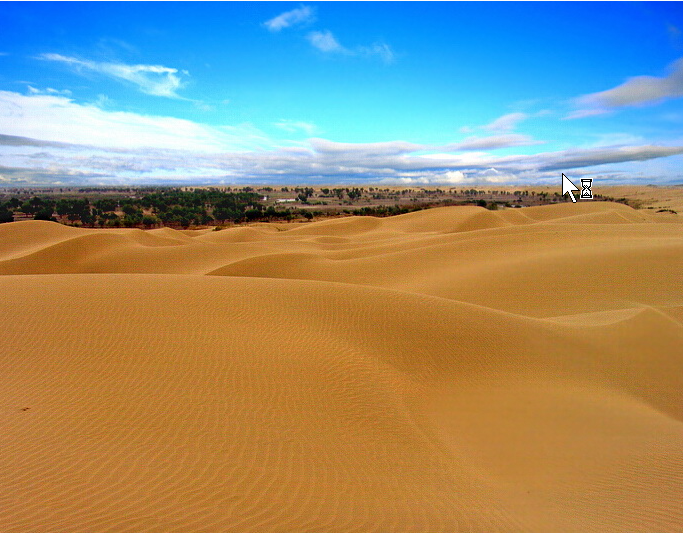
[(454, 369)]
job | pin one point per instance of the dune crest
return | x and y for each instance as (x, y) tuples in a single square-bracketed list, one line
[(453, 369)]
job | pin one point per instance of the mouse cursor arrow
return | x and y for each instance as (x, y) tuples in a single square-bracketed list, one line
[(568, 187)]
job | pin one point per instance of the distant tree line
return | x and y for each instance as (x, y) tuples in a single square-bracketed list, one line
[(385, 210), (169, 207), (186, 207)]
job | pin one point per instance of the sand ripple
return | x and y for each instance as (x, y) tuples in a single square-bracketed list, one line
[(447, 370)]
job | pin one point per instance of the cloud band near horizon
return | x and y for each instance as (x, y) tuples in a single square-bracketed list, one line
[(110, 147)]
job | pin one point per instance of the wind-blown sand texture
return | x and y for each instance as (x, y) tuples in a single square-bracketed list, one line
[(454, 369)]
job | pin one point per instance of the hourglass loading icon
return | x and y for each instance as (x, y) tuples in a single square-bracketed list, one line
[(568, 188)]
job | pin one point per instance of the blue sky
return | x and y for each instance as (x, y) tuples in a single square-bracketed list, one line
[(411, 93)]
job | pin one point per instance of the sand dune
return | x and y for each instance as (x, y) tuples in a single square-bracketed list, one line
[(454, 369)]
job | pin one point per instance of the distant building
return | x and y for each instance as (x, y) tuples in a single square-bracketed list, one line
[(285, 200)]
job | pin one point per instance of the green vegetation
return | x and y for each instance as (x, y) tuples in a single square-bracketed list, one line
[(35, 205), (385, 210), (220, 207), (631, 202), (169, 207), (6, 215)]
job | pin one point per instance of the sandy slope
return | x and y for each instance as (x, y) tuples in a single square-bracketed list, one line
[(447, 370)]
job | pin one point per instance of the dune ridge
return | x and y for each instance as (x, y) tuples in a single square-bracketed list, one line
[(453, 369)]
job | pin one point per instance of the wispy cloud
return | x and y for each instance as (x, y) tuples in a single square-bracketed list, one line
[(110, 47), (495, 142), (295, 17), (332, 149), (43, 116), (293, 126), (381, 50), (49, 90), (204, 106), (326, 42), (583, 113), (102, 101), (636, 91), (13, 140), (590, 157), (674, 36), (155, 80), (506, 123)]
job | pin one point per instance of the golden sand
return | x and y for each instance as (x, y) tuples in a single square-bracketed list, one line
[(454, 369)]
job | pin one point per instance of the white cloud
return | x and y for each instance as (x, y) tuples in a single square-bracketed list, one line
[(49, 90), (368, 150), (506, 123), (381, 50), (636, 91), (59, 119), (203, 106), (494, 142), (580, 158), (325, 42), (293, 126), (453, 176), (603, 140), (156, 80), (583, 113), (294, 17), (492, 175), (450, 177), (102, 101)]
